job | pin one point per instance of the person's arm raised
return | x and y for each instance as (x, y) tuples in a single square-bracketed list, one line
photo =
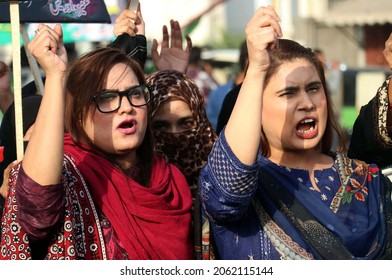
[(243, 128), (129, 29), (129, 22), (44, 154)]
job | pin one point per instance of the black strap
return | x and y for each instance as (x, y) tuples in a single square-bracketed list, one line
[(323, 241)]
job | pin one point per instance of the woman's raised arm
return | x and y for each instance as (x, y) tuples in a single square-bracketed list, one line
[(44, 154), (243, 128)]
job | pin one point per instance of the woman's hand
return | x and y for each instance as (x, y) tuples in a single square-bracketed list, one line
[(244, 125), (130, 23), (6, 175), (5, 77), (6, 95), (48, 49), (262, 33), (172, 55)]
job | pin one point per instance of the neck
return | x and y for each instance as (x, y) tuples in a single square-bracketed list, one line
[(128, 161), (310, 160), (305, 159)]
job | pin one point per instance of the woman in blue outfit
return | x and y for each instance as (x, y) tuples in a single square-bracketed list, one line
[(273, 187)]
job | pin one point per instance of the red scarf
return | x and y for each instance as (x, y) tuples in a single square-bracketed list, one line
[(151, 223)]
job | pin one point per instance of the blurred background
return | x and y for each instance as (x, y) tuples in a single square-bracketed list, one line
[(349, 33)]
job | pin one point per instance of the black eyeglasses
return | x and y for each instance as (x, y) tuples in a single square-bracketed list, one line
[(110, 100)]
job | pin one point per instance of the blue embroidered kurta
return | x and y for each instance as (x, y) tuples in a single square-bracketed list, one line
[(352, 204)]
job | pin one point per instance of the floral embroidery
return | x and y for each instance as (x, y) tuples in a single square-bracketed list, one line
[(373, 172), (359, 196), (355, 189)]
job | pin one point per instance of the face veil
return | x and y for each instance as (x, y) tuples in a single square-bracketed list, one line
[(188, 150)]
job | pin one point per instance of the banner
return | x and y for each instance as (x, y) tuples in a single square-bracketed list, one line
[(57, 11)]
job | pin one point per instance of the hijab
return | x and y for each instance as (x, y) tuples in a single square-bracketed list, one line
[(187, 150)]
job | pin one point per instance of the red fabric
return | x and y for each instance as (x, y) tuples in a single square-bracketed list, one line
[(71, 241), (151, 223)]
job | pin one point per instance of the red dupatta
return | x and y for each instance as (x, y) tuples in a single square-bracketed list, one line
[(151, 223)]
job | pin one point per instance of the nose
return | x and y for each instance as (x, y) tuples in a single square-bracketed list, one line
[(125, 105), (306, 102), (174, 129)]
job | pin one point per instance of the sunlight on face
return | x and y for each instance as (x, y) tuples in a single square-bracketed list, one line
[(294, 111), (173, 116)]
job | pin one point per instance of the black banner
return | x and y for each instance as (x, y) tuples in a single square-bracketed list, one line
[(57, 11)]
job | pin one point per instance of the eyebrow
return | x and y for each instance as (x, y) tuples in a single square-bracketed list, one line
[(160, 122), (116, 90), (315, 83), (293, 88)]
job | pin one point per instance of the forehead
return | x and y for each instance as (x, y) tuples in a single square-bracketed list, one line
[(121, 76), (172, 108), (296, 71)]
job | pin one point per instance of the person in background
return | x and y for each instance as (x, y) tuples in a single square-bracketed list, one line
[(371, 137), (227, 107), (217, 96), (131, 39), (272, 188), (333, 77), (130, 35), (6, 94), (8, 138), (196, 71), (184, 136), (30, 103), (179, 122), (171, 56), (100, 191)]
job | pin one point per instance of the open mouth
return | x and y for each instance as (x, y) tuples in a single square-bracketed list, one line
[(128, 127), (127, 124), (306, 126)]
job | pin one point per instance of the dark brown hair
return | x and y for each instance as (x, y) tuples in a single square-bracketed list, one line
[(287, 51), (87, 76)]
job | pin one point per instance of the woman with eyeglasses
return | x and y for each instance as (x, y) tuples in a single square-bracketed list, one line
[(97, 191)]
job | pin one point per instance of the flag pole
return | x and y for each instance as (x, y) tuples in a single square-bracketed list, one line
[(17, 76)]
